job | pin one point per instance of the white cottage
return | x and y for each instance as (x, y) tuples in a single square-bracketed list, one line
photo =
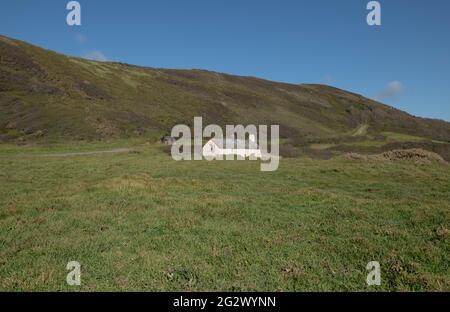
[(216, 148)]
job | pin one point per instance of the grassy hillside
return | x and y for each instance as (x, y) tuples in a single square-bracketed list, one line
[(140, 221), (88, 183), (52, 97)]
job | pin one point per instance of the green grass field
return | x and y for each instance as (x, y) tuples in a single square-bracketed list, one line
[(141, 221)]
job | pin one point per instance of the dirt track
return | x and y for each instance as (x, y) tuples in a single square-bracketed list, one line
[(113, 151)]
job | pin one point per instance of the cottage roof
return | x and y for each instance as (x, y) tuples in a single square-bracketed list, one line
[(234, 143)]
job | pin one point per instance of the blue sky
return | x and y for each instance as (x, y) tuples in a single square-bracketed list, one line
[(404, 63)]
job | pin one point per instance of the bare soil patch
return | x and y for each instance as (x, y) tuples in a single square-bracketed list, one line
[(415, 154)]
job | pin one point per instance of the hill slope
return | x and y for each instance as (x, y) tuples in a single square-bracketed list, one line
[(52, 96)]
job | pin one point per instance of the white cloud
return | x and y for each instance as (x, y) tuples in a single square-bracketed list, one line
[(391, 91), (80, 38), (328, 78), (95, 55)]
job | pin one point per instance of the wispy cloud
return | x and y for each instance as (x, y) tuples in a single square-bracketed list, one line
[(95, 55), (392, 90), (80, 38)]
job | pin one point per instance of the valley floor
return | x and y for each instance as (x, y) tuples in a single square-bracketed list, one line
[(138, 220)]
